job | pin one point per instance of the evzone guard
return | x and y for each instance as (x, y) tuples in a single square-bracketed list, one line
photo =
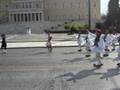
[(98, 48), (89, 43)]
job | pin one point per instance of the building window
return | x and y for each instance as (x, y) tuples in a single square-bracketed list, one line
[(37, 18), (16, 6), (25, 17), (22, 16), (30, 4), (27, 5), (33, 19), (29, 17), (15, 19), (34, 5), (37, 5), (23, 5)]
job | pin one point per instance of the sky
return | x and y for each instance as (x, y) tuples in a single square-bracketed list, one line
[(104, 5)]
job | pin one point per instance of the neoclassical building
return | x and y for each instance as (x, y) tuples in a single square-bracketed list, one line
[(26, 11), (71, 9), (38, 15), (4, 10), (50, 10)]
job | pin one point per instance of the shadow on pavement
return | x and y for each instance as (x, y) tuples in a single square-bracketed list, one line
[(37, 53), (80, 75), (73, 60), (67, 53), (111, 73)]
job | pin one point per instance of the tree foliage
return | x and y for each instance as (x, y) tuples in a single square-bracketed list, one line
[(113, 16)]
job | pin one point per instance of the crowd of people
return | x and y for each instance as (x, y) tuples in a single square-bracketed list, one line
[(101, 43)]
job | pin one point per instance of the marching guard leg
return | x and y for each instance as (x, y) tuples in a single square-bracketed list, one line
[(118, 64), (113, 47), (88, 52), (80, 48), (106, 52), (99, 63)]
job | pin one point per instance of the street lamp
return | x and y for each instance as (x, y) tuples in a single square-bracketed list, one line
[(89, 14)]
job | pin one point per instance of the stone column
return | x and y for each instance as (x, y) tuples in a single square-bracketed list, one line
[(10, 17), (20, 17), (27, 17), (16, 17), (31, 17), (42, 16)]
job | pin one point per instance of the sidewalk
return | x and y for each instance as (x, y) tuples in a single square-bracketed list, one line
[(39, 41), (41, 44)]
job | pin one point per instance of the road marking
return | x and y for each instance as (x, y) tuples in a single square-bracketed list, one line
[(38, 68)]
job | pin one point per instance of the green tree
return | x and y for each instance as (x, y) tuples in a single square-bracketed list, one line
[(113, 16)]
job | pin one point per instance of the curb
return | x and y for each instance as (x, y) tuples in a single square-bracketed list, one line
[(39, 47)]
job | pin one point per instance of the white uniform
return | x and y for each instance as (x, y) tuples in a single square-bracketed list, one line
[(90, 40), (80, 41), (118, 51), (108, 40), (114, 38), (101, 46)]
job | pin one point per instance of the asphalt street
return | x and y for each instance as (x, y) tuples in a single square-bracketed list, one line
[(63, 69)]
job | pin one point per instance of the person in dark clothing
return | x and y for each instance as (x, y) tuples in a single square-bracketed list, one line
[(3, 43), (49, 42)]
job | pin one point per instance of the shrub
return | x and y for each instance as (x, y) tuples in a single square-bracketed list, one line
[(67, 26)]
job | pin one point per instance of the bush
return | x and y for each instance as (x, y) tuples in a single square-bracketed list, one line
[(67, 26), (86, 26), (76, 27)]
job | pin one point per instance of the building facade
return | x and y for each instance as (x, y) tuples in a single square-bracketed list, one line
[(71, 9), (26, 11), (38, 15), (49, 10), (4, 10)]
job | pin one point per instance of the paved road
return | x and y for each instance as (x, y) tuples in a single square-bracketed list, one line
[(64, 69)]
